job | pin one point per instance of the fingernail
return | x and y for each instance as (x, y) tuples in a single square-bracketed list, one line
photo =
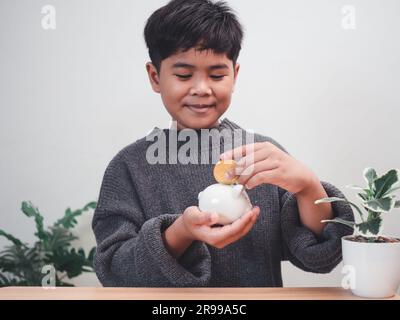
[(238, 170), (229, 174), (247, 187)]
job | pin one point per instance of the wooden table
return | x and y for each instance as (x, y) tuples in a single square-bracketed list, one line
[(85, 293)]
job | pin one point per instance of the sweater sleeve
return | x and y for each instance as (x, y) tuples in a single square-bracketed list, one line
[(130, 251), (301, 246)]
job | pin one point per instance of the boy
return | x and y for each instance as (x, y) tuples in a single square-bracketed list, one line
[(149, 231)]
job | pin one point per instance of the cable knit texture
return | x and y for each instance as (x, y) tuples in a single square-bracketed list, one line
[(139, 200)]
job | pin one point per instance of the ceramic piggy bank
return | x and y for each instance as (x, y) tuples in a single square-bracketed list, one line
[(230, 202)]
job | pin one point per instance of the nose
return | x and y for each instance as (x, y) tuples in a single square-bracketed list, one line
[(201, 88)]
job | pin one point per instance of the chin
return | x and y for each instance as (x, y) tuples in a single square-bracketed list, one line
[(197, 123)]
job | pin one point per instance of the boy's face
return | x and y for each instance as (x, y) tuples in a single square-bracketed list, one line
[(195, 86)]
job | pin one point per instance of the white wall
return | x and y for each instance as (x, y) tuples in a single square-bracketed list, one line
[(71, 98)]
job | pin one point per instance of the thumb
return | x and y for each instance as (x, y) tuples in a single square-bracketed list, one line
[(207, 218)]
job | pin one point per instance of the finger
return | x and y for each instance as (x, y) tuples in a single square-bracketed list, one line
[(247, 173), (269, 176), (241, 151), (259, 163), (245, 164), (198, 217), (256, 156), (246, 228), (219, 234), (242, 233), (214, 217)]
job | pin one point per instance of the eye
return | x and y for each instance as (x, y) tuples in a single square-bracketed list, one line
[(184, 76), (217, 77), (187, 76)]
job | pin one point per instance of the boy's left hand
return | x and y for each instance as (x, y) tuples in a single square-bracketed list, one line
[(263, 162)]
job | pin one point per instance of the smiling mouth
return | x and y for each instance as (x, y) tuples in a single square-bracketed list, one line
[(200, 108)]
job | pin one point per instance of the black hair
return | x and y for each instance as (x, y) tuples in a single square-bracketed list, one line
[(184, 24)]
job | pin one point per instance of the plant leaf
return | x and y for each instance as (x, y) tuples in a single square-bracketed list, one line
[(72, 262), (91, 254), (341, 221), (58, 237), (6, 281), (10, 237), (372, 225), (90, 205), (390, 191), (69, 221), (22, 265), (362, 196), (330, 199), (334, 199), (385, 182), (369, 176), (31, 211), (380, 205), (22, 262)]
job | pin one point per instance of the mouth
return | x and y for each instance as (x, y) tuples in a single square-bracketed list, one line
[(200, 108)]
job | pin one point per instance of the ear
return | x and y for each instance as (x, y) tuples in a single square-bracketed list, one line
[(237, 190), (153, 77), (236, 72), (237, 67)]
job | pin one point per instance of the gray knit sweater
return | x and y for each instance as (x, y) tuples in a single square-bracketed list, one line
[(138, 201)]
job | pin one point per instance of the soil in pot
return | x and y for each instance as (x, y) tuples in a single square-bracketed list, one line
[(378, 239)]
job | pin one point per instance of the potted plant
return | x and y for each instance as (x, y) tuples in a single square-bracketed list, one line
[(373, 258), (50, 258)]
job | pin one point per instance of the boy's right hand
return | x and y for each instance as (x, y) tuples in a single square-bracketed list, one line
[(198, 226)]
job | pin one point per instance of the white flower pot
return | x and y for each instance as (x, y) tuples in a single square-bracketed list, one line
[(374, 266)]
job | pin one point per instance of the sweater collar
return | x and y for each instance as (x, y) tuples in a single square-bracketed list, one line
[(225, 123)]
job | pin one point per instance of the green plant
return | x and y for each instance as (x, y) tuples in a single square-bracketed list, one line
[(376, 198), (22, 265)]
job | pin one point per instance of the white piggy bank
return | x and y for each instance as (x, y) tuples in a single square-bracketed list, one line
[(230, 202)]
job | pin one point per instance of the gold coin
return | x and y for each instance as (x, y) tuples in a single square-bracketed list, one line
[(221, 170)]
